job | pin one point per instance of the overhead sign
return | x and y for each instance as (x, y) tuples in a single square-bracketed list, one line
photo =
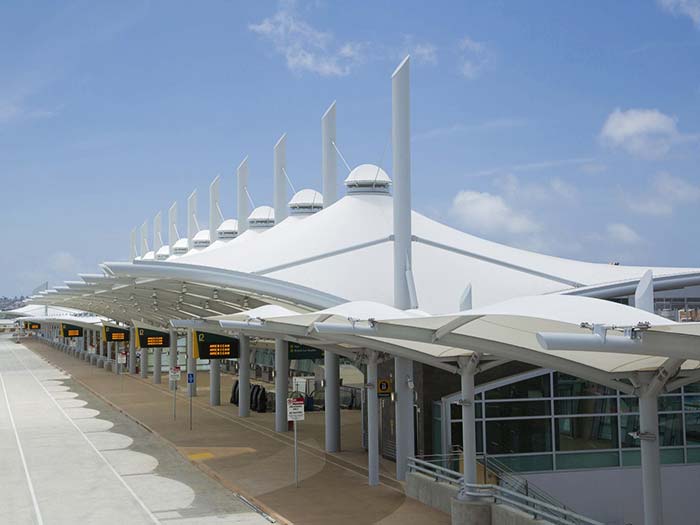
[(214, 346), (174, 374), (71, 330), (150, 338), (34, 326), (115, 334), (299, 351), (384, 387), (295, 409)]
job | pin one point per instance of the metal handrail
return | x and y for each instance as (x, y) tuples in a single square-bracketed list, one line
[(525, 502)]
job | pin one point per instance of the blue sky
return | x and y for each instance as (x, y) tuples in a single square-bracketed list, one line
[(571, 128)]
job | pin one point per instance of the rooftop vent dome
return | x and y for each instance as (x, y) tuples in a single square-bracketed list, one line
[(306, 201), (201, 239), (137, 258), (163, 253), (368, 178), (227, 230), (150, 256), (262, 217), (181, 246)]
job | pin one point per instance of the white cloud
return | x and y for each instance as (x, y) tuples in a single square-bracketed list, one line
[(487, 213), (666, 193), (532, 166), (305, 48), (421, 52), (689, 8), (552, 189), (18, 111), (646, 133), (621, 233), (500, 123), (472, 57)]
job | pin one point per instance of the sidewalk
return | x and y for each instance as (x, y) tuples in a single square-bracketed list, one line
[(247, 457)]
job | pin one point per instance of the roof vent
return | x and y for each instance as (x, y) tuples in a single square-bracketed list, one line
[(181, 247), (262, 217), (306, 201), (163, 253), (227, 230), (201, 239), (368, 178)]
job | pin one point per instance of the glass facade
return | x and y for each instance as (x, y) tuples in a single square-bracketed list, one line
[(553, 421)]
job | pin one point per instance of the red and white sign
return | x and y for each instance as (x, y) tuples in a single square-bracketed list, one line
[(121, 358), (174, 374), (295, 409)]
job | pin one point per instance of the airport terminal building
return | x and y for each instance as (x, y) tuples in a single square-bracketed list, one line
[(501, 366)]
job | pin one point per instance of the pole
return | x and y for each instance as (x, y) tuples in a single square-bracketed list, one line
[(281, 384), (190, 411), (157, 367), (372, 420), (214, 382), (172, 356), (244, 377), (332, 400), (132, 350), (650, 456), (296, 456), (175, 401), (467, 367)]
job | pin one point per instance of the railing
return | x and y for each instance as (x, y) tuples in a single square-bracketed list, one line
[(524, 501)]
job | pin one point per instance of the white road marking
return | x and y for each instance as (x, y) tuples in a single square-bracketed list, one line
[(100, 455), (39, 518)]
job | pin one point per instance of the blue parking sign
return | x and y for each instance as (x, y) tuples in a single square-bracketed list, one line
[(190, 379)]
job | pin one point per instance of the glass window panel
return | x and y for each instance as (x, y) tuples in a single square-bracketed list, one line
[(629, 404), (584, 433), (631, 458), (478, 410), (692, 402), (693, 455), (517, 409), (692, 429), (479, 437), (437, 410), (518, 436), (527, 463), (436, 428), (533, 387), (455, 411), (693, 387), (606, 405), (669, 403), (672, 455), (628, 424), (587, 460), (570, 386), (457, 437), (670, 430)]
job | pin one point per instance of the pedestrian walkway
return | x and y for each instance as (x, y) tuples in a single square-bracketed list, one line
[(61, 464), (248, 457)]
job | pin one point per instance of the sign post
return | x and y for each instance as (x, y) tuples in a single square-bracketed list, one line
[(295, 412), (121, 360), (190, 380), (174, 377)]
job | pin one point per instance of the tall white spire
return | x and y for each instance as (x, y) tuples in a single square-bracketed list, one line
[(329, 161), (279, 163), (242, 207)]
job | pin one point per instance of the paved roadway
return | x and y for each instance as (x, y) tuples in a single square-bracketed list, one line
[(61, 465)]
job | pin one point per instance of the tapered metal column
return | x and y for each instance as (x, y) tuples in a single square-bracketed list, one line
[(115, 364), (372, 420), (191, 365), (281, 385), (244, 377), (401, 161), (143, 363), (132, 350), (331, 365), (467, 368), (214, 382), (242, 196), (651, 461), (329, 162), (172, 355), (157, 366), (279, 160)]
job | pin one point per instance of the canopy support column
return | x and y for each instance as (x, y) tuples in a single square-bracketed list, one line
[(331, 364), (244, 377), (191, 365), (467, 371), (214, 382), (172, 355), (651, 461), (405, 429), (115, 363), (157, 365), (143, 363), (372, 420), (132, 350), (281, 385)]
